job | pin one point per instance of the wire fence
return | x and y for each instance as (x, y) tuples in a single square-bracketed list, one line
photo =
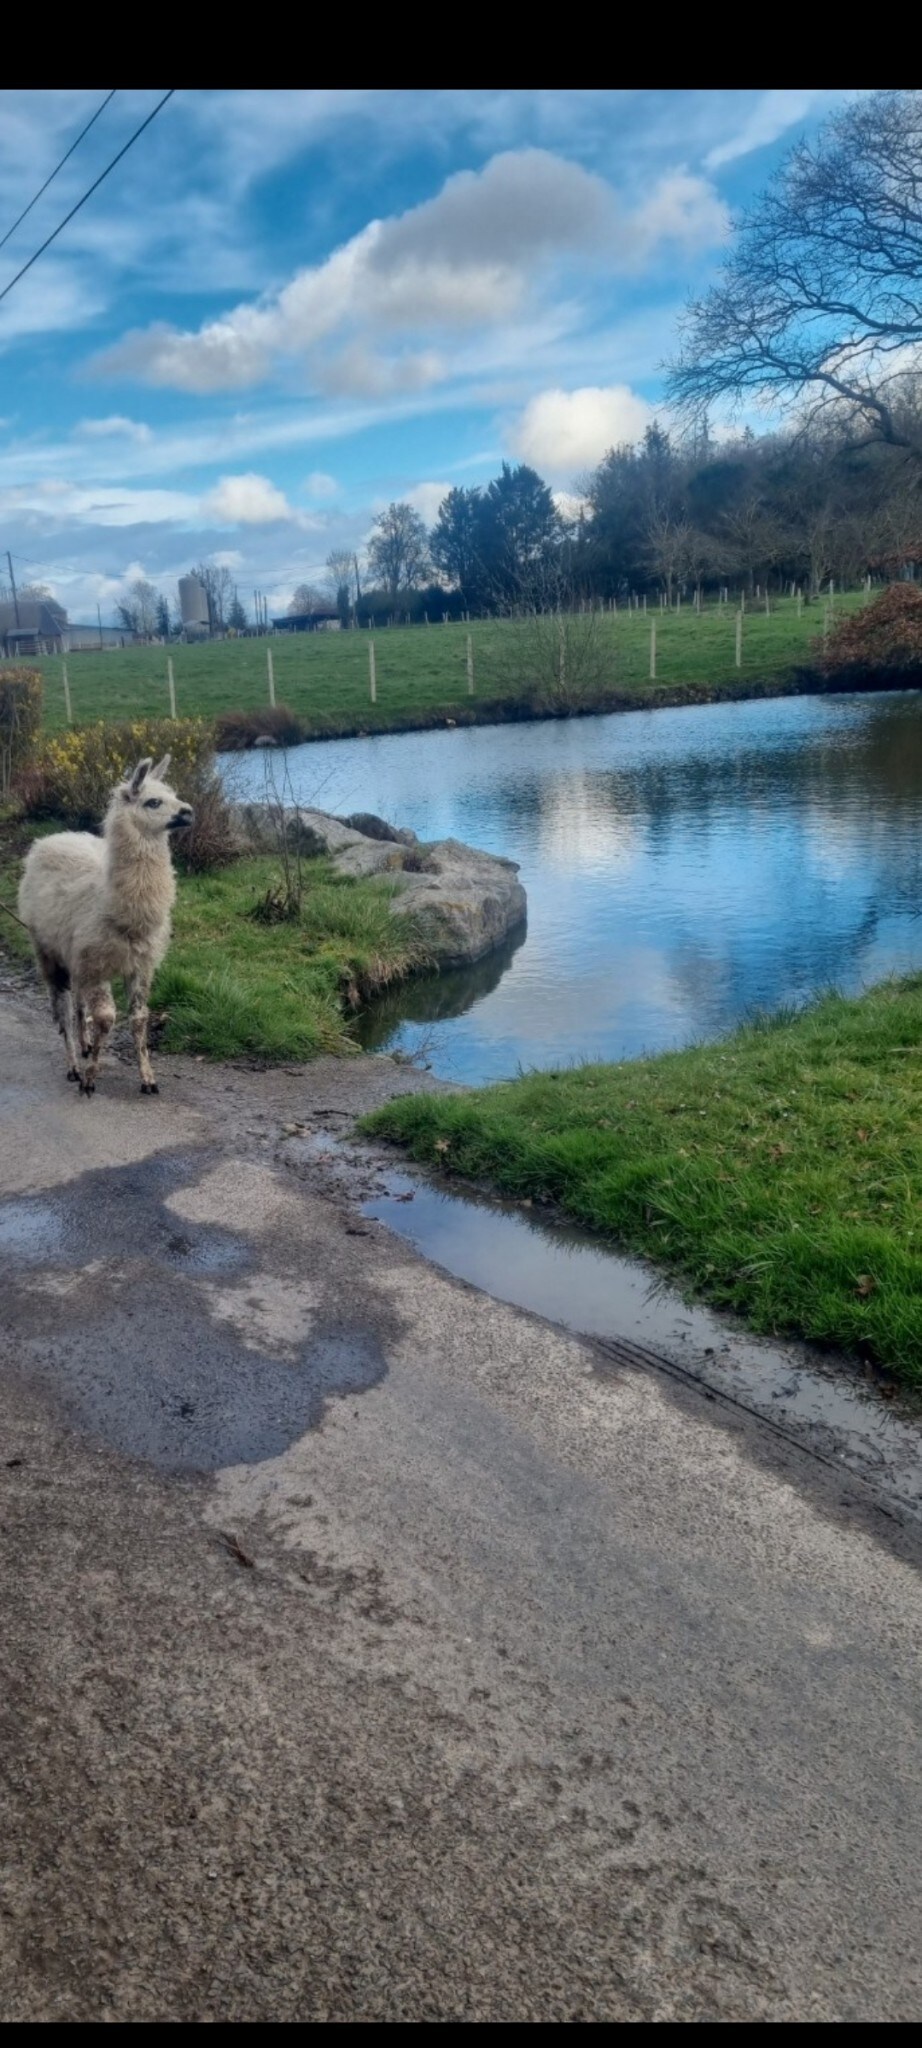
[(374, 675)]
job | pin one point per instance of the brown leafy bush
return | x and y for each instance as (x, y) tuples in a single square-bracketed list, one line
[(237, 730), (883, 640)]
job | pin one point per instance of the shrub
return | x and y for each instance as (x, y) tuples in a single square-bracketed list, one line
[(20, 721), (236, 730), (883, 640), (73, 775), (214, 839)]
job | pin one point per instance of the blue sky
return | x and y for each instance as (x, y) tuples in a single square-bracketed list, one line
[(286, 308)]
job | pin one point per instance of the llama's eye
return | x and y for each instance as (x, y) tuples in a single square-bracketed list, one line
[(152, 803)]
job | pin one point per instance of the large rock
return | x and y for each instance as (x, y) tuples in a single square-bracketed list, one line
[(466, 902)]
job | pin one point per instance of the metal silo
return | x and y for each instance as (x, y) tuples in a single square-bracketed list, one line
[(193, 607)]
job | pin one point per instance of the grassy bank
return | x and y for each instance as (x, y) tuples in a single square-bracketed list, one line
[(422, 671), (233, 986), (779, 1171)]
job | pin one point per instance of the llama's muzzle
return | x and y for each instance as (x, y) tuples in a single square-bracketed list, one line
[(182, 818)]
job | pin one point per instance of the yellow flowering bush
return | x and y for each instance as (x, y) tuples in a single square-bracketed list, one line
[(78, 769), (74, 773)]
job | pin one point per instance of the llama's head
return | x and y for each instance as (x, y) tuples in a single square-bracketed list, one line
[(153, 807)]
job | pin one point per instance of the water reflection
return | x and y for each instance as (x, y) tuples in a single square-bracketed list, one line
[(682, 867), (435, 997)]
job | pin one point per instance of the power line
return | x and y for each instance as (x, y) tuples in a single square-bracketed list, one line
[(58, 167), (87, 195)]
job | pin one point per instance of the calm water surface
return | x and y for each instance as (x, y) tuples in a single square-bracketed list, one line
[(683, 868)]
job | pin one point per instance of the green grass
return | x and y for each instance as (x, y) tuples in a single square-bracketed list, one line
[(778, 1171), (422, 672), (233, 986)]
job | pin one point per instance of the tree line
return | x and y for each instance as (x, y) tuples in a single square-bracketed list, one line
[(665, 516)]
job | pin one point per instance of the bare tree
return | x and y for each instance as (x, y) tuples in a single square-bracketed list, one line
[(40, 592), (753, 537), (398, 552), (667, 550), (139, 611), (820, 301), (308, 598), (341, 574), (143, 598), (218, 585)]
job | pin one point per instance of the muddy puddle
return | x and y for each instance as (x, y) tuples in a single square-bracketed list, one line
[(561, 1273)]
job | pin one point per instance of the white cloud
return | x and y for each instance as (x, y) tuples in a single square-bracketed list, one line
[(568, 504), (562, 432), (469, 259), (683, 209), (99, 505), (248, 500), (320, 485), (115, 426), (425, 499), (356, 371), (774, 113), (227, 558), (55, 297)]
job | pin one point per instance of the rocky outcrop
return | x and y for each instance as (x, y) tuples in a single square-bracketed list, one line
[(466, 902)]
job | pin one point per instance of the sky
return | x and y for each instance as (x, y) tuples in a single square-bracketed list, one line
[(284, 309)]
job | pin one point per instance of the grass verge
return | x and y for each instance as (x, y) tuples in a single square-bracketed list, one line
[(234, 987), (778, 1171)]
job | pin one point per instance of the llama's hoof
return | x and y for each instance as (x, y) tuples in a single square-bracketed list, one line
[(72, 1074), (149, 1088), (87, 1087)]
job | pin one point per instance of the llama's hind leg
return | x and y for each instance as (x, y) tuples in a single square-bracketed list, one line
[(57, 979), (139, 1015), (98, 1010)]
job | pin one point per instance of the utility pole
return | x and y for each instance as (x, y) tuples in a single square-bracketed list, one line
[(99, 617), (9, 559)]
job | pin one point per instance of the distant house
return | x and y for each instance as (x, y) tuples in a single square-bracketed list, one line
[(33, 626), (324, 620)]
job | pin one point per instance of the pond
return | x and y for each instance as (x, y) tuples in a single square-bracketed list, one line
[(684, 868)]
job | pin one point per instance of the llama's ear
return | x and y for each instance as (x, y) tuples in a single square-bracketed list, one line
[(157, 774), (140, 775)]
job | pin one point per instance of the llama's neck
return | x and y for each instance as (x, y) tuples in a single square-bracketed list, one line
[(140, 884)]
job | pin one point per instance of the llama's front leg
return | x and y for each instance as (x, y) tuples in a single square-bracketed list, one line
[(63, 1009), (139, 1015), (98, 1011), (84, 1032)]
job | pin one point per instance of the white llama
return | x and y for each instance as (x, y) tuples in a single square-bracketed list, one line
[(97, 908)]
